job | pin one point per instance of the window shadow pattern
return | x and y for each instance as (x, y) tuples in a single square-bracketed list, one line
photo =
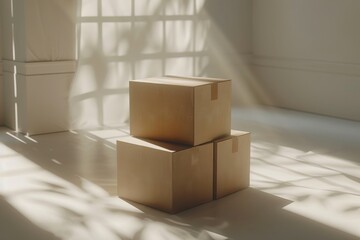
[(120, 41)]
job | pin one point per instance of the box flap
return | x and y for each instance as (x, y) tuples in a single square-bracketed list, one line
[(238, 133), (181, 81), (202, 79), (234, 133)]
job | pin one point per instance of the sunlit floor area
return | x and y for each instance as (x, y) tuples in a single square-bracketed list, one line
[(305, 184)]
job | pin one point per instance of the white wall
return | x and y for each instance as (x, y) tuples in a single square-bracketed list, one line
[(307, 54), (124, 40)]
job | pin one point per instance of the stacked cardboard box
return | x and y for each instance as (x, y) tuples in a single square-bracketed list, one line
[(182, 151)]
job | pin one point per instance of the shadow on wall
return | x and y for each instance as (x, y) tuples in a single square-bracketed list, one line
[(123, 40)]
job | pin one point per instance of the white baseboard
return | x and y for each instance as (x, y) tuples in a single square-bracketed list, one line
[(307, 65), (331, 92)]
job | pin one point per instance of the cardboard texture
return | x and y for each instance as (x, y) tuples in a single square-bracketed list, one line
[(231, 163), (165, 176), (184, 110)]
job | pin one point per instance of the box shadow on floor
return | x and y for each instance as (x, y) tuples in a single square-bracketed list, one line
[(247, 214)]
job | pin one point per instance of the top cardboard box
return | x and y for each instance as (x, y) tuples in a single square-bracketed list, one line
[(184, 110)]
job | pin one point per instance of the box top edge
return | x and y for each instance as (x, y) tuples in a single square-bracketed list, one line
[(234, 133), (180, 81), (210, 79)]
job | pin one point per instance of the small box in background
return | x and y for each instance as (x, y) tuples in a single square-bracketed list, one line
[(231, 163), (165, 176), (183, 110)]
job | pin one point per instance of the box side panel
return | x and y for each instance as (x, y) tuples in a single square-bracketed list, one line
[(161, 112), (232, 165), (212, 111), (144, 175), (193, 177)]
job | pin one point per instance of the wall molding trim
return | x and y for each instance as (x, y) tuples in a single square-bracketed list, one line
[(307, 65), (39, 68)]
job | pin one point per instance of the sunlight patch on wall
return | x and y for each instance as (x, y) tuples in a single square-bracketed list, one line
[(116, 8), (179, 36), (85, 72), (180, 7), (180, 66), (148, 67), (148, 8), (84, 111), (148, 38), (89, 8), (114, 114), (115, 37), (88, 40), (117, 71)]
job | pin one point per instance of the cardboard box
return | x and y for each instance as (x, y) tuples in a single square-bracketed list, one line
[(231, 163), (182, 110), (165, 176)]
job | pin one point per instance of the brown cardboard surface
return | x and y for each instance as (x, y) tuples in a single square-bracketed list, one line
[(193, 177), (231, 163), (189, 111), (165, 176), (212, 117)]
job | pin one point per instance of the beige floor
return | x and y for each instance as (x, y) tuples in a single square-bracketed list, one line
[(305, 184)]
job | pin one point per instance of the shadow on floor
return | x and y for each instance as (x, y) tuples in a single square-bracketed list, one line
[(251, 214), (13, 225), (69, 155)]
